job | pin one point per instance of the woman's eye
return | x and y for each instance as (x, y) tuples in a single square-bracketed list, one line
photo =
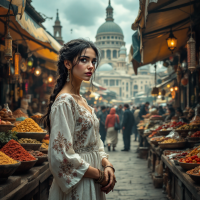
[(83, 60), (94, 62)]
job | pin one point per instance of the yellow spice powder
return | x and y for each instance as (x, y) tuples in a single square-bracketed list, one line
[(5, 160)]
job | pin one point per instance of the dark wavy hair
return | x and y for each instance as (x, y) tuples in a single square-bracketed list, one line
[(70, 51)]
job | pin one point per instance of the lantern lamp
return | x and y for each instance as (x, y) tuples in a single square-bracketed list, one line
[(176, 88), (155, 92), (171, 42), (17, 58), (168, 86), (37, 71), (163, 92), (8, 46), (171, 89), (50, 78), (30, 62), (191, 54)]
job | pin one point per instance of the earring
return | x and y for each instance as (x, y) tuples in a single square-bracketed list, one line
[(68, 78)]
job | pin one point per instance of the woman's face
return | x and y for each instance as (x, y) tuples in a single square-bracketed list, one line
[(85, 68)]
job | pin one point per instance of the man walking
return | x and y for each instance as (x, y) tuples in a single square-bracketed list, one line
[(120, 112), (127, 126), (102, 119)]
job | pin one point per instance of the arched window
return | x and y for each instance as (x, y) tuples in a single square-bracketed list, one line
[(102, 54), (108, 52), (135, 87), (115, 54)]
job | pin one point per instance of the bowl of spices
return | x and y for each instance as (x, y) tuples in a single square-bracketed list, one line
[(42, 157), (29, 144), (15, 151), (7, 166)]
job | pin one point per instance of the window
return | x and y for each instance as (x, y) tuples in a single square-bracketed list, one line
[(112, 37), (112, 82), (104, 37), (102, 54), (115, 37), (100, 38), (119, 38), (115, 54), (127, 87), (116, 42), (134, 93), (108, 37), (141, 82), (141, 87), (117, 82), (103, 42), (120, 92), (135, 87), (108, 42), (122, 83), (113, 43), (108, 52), (146, 81), (127, 96), (106, 82)]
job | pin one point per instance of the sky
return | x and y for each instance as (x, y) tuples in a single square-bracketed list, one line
[(85, 16)]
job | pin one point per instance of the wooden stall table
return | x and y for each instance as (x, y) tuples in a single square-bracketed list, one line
[(179, 186), (33, 185)]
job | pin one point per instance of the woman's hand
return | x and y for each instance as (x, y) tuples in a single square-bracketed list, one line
[(109, 174)]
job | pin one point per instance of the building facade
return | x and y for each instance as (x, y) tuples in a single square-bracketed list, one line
[(114, 72)]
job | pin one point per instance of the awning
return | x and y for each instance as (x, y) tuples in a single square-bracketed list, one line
[(169, 80), (155, 20), (27, 32)]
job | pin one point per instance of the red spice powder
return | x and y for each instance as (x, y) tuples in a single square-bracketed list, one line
[(14, 150)]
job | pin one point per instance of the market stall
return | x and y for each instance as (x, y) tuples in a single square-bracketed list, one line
[(24, 167)]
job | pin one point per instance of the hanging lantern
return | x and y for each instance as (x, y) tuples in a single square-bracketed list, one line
[(163, 92), (155, 92), (30, 62), (179, 74), (171, 42), (17, 57), (37, 71), (172, 89), (191, 54), (8, 46), (50, 78), (184, 81), (168, 86)]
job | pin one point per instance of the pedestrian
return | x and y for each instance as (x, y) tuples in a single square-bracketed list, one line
[(144, 110), (76, 154), (102, 120), (136, 122), (161, 111), (120, 112), (127, 126), (112, 135)]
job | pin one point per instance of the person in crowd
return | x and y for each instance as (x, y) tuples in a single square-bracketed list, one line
[(170, 113), (76, 156), (136, 122), (127, 126), (161, 111), (102, 120), (108, 110), (144, 110), (120, 112), (181, 116), (112, 135)]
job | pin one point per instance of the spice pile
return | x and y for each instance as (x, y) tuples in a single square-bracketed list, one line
[(7, 136), (14, 150), (195, 171), (28, 125), (28, 140), (6, 160), (36, 153), (44, 146), (191, 159)]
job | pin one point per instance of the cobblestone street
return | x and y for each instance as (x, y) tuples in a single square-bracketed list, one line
[(134, 180)]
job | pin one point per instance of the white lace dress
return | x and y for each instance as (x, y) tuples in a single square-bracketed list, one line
[(75, 145)]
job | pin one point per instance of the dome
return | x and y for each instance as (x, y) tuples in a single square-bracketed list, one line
[(122, 50), (109, 26), (104, 67)]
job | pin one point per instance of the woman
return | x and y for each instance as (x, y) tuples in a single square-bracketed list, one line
[(112, 136), (76, 154)]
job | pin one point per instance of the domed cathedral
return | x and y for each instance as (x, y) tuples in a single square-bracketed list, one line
[(110, 39)]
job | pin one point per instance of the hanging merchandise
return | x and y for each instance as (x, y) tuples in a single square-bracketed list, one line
[(30, 62), (155, 90), (8, 46), (191, 54), (163, 92), (17, 58), (179, 74), (38, 70), (184, 81)]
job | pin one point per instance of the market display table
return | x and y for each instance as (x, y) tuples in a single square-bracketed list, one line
[(179, 185), (33, 185)]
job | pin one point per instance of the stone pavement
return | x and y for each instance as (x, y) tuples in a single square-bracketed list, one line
[(134, 180)]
